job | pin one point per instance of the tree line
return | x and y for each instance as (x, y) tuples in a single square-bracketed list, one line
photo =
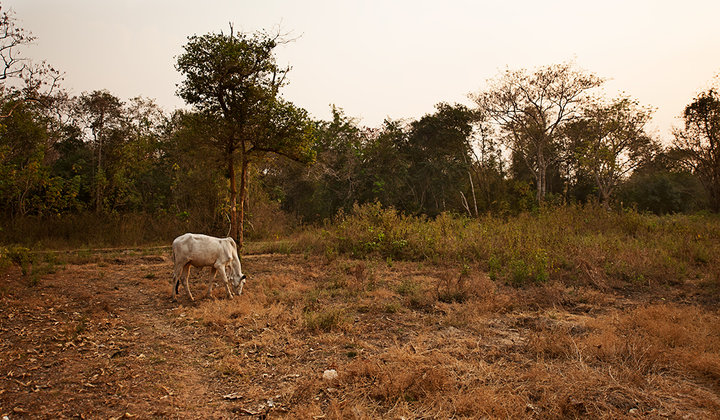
[(531, 137)]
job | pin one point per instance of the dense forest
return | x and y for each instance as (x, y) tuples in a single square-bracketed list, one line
[(243, 155)]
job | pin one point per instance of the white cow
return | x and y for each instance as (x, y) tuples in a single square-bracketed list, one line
[(198, 250)]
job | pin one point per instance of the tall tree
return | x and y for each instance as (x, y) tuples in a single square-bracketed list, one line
[(22, 153), (234, 80), (385, 168), (697, 144), (487, 167), (439, 154), (333, 182), (196, 169), (530, 109), (610, 142), (101, 113)]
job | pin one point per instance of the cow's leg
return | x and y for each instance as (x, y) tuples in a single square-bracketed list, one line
[(213, 273), (177, 277), (187, 286), (223, 276)]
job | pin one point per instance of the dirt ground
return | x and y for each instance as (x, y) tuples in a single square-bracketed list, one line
[(102, 339)]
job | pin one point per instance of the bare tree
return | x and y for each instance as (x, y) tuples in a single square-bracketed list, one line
[(529, 110), (22, 80)]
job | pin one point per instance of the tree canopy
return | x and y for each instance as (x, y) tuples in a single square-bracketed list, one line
[(531, 137), (234, 81), (531, 108), (698, 142)]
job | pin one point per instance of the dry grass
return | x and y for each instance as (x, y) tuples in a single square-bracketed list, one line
[(402, 348), (569, 313)]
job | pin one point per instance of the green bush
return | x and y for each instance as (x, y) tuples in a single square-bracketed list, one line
[(21, 257), (327, 320), (531, 269), (574, 243)]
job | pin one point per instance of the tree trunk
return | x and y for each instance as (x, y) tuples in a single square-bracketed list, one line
[(605, 197), (715, 199), (98, 172), (243, 194), (233, 198), (472, 189), (541, 185), (465, 204), (541, 176)]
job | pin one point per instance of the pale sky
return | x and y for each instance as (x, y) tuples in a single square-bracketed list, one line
[(389, 59)]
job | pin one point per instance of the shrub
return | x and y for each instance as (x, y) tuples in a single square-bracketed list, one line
[(21, 257), (531, 269), (326, 321), (579, 244)]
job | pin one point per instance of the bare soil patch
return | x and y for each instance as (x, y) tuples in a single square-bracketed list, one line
[(103, 340)]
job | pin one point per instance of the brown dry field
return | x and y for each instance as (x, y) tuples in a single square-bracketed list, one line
[(102, 339)]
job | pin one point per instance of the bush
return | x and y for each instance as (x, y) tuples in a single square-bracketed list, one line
[(21, 257), (584, 244), (533, 269), (325, 321)]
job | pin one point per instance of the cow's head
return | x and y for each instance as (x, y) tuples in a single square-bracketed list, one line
[(238, 281)]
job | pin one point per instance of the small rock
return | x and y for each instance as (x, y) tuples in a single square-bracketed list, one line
[(633, 411), (330, 374)]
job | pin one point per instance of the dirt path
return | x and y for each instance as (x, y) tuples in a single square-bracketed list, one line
[(70, 346)]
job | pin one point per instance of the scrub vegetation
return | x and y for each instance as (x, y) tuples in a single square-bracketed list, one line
[(535, 255), (568, 312)]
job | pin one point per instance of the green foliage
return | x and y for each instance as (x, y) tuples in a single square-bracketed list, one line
[(408, 287), (233, 83), (438, 151), (421, 167), (609, 142), (531, 109), (662, 191), (697, 145), (571, 243), (21, 257), (95, 169), (32, 265), (533, 268)]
